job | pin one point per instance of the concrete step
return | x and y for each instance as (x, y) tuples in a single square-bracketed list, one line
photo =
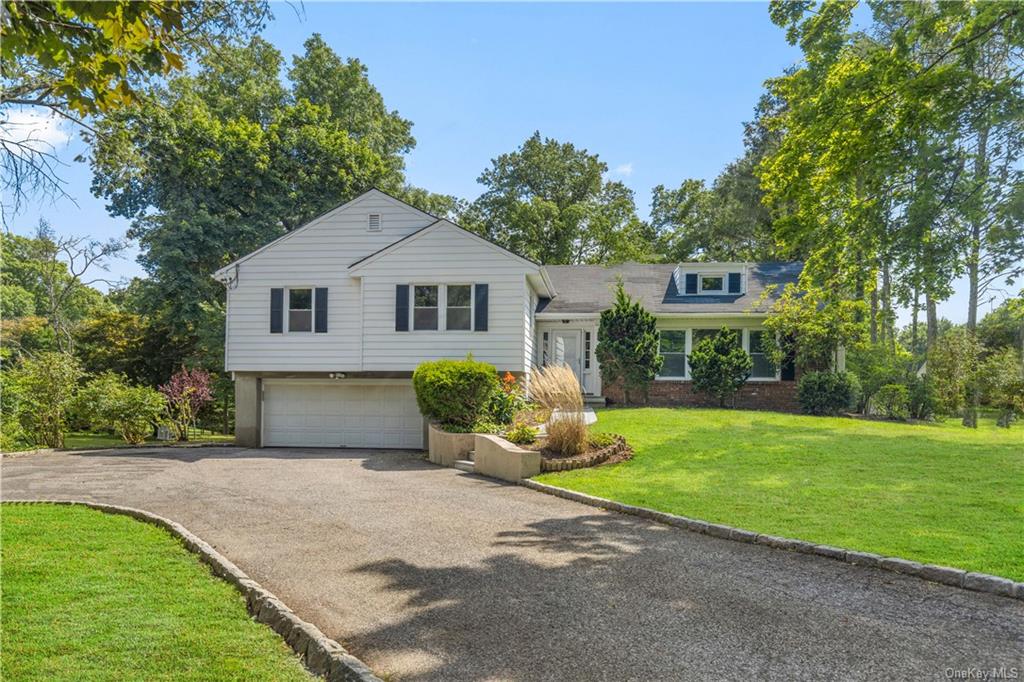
[(470, 455), (465, 465), (595, 400)]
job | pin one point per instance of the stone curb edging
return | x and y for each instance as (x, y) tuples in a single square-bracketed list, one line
[(946, 575), (321, 655)]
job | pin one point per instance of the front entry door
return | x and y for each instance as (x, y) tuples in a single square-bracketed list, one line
[(567, 351)]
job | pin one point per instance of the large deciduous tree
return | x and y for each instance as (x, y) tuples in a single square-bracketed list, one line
[(215, 164), (549, 201), (77, 59)]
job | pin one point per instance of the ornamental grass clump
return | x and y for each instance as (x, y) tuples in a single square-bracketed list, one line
[(557, 389)]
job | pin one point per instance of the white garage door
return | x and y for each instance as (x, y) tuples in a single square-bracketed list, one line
[(332, 415)]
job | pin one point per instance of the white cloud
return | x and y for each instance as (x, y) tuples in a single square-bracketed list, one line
[(624, 169), (35, 129)]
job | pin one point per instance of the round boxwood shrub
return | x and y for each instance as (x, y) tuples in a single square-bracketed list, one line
[(454, 392), (827, 392)]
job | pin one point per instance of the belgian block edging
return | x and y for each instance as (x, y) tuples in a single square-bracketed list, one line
[(980, 582), (320, 654)]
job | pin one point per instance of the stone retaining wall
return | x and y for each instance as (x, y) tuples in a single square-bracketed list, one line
[(589, 459), (320, 654)]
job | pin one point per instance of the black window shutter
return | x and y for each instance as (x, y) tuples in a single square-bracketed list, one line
[(691, 282), (480, 313), (320, 310), (788, 370), (402, 308), (734, 282), (276, 311)]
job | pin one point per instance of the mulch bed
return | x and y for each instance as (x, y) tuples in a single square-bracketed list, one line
[(618, 451)]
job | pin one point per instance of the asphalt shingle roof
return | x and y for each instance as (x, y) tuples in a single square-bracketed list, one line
[(591, 288)]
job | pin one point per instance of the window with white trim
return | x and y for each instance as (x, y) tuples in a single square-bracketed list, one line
[(763, 367), (424, 308), (300, 310), (458, 307), (672, 347)]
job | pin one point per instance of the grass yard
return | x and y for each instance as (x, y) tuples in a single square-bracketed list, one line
[(934, 493), (80, 440), (94, 596)]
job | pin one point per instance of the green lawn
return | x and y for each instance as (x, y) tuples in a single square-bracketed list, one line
[(80, 440), (93, 596), (935, 493)]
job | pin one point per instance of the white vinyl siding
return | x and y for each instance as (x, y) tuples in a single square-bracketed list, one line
[(320, 253), (445, 255)]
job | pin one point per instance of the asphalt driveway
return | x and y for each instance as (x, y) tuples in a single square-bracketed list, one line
[(430, 574)]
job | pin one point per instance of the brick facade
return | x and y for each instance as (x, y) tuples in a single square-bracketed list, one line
[(778, 396)]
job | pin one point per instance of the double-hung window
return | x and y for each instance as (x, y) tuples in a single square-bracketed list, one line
[(300, 310), (424, 310), (672, 346), (763, 367), (459, 307)]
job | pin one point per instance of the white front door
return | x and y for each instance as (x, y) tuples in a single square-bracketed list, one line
[(567, 351)]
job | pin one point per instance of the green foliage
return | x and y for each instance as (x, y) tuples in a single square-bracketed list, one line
[(875, 366), (521, 434), (454, 392), (826, 393), (12, 435), (114, 341), (811, 325), (223, 160), (952, 368), (1001, 379), (46, 386), (899, 147), (506, 402), (548, 201), (627, 344), (15, 302), (921, 397), (719, 366), (601, 440), (893, 400), (1004, 326), (109, 402)]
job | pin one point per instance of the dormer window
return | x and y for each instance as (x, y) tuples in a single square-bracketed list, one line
[(712, 284), (373, 222), (710, 279)]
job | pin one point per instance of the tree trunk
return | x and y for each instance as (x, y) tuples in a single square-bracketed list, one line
[(932, 322), (888, 330), (973, 262), (914, 310), (874, 316)]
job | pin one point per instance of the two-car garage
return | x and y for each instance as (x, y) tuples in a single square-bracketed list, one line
[(339, 413)]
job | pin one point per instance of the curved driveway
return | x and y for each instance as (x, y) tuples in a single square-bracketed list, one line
[(427, 573)]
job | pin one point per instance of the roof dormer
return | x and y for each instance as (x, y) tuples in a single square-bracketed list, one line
[(710, 279)]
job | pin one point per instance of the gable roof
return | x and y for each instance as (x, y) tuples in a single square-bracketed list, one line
[(589, 289), (373, 191), (433, 227)]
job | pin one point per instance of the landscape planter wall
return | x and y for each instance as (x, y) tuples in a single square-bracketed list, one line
[(498, 458), (445, 448), (589, 459)]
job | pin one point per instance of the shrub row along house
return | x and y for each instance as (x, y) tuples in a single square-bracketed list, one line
[(326, 324)]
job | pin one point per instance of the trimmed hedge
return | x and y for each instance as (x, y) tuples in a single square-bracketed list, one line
[(827, 393), (454, 392)]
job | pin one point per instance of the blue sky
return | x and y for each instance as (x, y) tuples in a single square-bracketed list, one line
[(659, 91)]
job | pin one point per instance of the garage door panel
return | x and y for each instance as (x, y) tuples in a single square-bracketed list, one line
[(332, 415)]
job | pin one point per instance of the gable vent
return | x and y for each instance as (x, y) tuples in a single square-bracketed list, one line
[(373, 222)]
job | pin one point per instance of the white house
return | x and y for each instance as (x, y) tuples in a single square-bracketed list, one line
[(326, 324)]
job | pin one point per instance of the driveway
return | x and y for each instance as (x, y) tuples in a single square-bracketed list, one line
[(430, 574)]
